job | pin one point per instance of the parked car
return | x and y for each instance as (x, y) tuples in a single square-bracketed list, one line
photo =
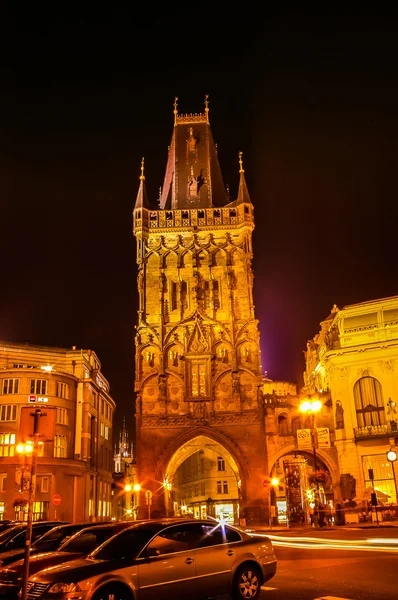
[(51, 540), (7, 524), (84, 541), (15, 537), (164, 558)]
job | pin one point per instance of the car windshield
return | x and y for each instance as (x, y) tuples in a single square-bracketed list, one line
[(53, 539), (4, 535), (89, 539), (125, 545)]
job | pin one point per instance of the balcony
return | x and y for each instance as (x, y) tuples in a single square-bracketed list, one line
[(376, 431)]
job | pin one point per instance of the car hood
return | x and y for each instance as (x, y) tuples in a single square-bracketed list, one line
[(44, 560), (76, 570)]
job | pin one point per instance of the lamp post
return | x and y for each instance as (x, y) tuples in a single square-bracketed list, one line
[(312, 407), (274, 484), (392, 457), (167, 489), (24, 450)]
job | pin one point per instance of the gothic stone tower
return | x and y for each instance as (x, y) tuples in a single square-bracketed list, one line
[(198, 368)]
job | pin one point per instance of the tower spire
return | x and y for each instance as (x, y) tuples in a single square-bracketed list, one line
[(175, 111), (207, 107), (142, 200), (243, 192)]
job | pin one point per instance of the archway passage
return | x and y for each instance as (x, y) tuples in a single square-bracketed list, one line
[(304, 488), (205, 481)]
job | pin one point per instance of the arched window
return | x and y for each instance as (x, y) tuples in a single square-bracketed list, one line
[(369, 402), (296, 424), (282, 425)]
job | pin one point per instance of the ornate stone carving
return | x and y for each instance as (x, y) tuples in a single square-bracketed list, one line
[(386, 365)]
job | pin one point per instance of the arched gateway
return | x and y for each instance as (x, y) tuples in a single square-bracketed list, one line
[(200, 435)]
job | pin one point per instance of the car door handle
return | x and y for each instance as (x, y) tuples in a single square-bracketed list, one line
[(189, 561), (230, 552)]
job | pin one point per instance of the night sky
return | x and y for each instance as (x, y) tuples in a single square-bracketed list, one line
[(311, 102)]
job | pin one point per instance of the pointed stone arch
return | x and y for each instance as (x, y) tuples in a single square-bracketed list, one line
[(175, 451)]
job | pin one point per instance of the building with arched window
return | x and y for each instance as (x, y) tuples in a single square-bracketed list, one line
[(355, 358)]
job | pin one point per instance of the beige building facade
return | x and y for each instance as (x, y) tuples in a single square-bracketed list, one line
[(354, 359), (75, 458)]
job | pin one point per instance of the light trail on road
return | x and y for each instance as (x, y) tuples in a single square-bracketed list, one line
[(369, 545)]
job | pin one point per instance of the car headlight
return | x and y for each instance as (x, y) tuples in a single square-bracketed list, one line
[(65, 587)]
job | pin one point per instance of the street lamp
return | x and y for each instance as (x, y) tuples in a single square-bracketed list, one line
[(274, 484), (392, 457), (167, 485), (24, 450), (312, 407)]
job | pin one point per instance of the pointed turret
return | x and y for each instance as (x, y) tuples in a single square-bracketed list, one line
[(243, 193), (193, 175), (142, 200)]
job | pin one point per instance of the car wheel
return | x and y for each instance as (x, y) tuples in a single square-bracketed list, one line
[(112, 592), (247, 583)]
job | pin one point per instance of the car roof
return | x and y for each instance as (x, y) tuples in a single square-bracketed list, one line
[(158, 524)]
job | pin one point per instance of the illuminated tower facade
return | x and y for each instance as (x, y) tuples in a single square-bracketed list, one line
[(198, 366)]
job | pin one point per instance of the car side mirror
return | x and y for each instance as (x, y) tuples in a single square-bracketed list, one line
[(152, 552)]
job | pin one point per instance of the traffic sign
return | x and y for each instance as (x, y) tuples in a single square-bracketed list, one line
[(56, 499), (148, 494), (32, 399)]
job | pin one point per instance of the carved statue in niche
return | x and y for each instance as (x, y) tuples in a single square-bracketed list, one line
[(348, 486), (247, 353), (199, 410), (235, 383), (138, 403), (192, 142), (199, 286), (339, 415), (162, 388)]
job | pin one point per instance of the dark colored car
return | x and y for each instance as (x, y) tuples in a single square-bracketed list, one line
[(49, 541), (164, 558), (7, 524), (79, 545), (15, 537)]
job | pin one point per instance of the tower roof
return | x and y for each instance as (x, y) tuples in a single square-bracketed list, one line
[(193, 176), (142, 200)]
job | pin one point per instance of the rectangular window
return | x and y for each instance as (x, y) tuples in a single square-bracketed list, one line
[(38, 386), (3, 483), (220, 464), (219, 488), (7, 444), (62, 390), (60, 446), (203, 488), (8, 412), (62, 416), (106, 432), (102, 429), (44, 484), (225, 487), (196, 490), (198, 379), (10, 386)]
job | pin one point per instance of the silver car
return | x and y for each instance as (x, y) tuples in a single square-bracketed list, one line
[(163, 558)]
